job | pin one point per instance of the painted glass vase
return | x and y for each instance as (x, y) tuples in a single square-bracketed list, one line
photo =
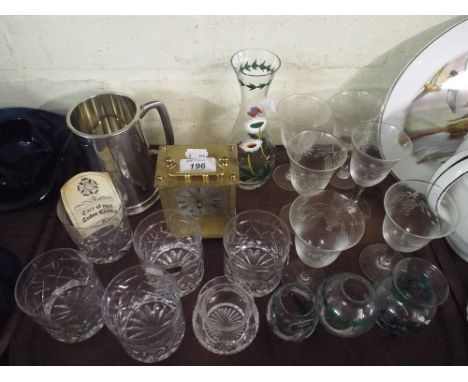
[(255, 70)]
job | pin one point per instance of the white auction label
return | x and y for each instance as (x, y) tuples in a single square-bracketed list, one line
[(196, 153), (198, 165)]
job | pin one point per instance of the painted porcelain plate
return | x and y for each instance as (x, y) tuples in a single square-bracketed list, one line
[(430, 100)]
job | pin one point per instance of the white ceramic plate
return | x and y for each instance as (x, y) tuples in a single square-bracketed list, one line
[(430, 100)]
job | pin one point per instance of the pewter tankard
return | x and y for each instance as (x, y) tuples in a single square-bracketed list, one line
[(108, 129)]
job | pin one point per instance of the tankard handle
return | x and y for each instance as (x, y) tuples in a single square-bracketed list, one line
[(163, 115)]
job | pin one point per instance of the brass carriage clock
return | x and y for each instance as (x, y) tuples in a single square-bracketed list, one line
[(200, 183)]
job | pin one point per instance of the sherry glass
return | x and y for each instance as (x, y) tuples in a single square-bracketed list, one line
[(377, 147), (299, 112), (416, 212), (351, 108)]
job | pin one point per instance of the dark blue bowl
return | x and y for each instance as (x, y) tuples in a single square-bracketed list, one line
[(37, 155)]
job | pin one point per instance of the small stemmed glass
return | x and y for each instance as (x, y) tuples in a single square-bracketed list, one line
[(377, 147), (416, 212), (299, 112)]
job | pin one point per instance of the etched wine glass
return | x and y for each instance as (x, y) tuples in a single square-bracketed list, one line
[(351, 108), (325, 224), (299, 112), (416, 212), (377, 147), (314, 156)]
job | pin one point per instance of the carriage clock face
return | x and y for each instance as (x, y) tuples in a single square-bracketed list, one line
[(199, 201), (208, 196)]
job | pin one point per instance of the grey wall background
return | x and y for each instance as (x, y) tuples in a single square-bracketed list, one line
[(52, 62)]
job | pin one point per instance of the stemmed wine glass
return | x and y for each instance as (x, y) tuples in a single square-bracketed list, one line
[(299, 112), (325, 224), (416, 212), (314, 157), (377, 147), (351, 108)]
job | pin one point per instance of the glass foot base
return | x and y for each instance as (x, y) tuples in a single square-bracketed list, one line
[(362, 204), (365, 209), (342, 184), (284, 215), (378, 260), (282, 178), (297, 272)]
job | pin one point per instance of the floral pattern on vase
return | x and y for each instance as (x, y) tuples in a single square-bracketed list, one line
[(255, 69)]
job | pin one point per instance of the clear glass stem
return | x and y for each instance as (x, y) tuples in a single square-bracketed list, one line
[(304, 277), (344, 172), (385, 260), (357, 195)]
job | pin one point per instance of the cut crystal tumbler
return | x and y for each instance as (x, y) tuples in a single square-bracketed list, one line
[(60, 291), (256, 245), (172, 241), (141, 307), (225, 318)]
